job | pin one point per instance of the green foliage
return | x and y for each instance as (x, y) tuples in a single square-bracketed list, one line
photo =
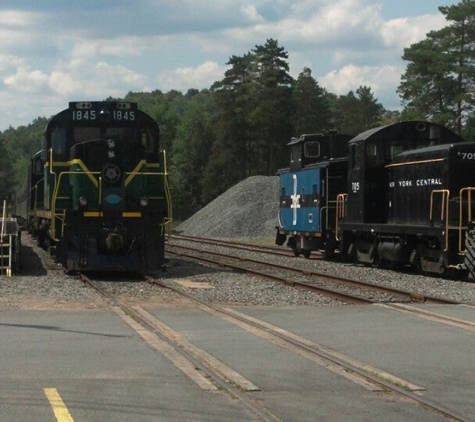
[(311, 105), (440, 77), (17, 147), (191, 151), (6, 173), (353, 114)]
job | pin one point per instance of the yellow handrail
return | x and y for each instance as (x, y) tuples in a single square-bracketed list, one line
[(469, 191), (444, 211), (340, 211), (132, 174)]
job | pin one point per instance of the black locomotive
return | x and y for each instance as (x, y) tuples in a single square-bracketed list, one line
[(409, 200), (97, 193)]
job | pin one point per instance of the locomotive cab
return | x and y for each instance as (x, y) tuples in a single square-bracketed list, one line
[(313, 148), (369, 155)]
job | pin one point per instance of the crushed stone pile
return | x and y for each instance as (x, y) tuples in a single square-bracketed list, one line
[(246, 210)]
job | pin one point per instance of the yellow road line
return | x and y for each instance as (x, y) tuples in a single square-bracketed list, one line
[(59, 408)]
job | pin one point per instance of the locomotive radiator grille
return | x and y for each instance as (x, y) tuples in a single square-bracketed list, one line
[(469, 262)]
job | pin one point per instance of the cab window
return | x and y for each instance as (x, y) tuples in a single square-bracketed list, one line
[(312, 149), (59, 141)]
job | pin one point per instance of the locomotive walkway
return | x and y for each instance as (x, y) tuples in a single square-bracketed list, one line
[(96, 365)]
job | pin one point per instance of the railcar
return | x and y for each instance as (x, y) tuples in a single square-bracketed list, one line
[(97, 193), (308, 191), (409, 200)]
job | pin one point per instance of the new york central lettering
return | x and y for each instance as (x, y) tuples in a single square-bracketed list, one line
[(418, 182)]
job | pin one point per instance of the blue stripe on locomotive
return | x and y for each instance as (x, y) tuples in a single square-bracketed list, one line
[(299, 200)]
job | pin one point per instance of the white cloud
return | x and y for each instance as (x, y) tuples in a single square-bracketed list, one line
[(400, 33), (56, 51), (199, 77), (16, 18), (83, 79), (119, 47), (250, 12), (383, 81), (25, 80)]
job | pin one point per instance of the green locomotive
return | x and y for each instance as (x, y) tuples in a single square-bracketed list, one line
[(97, 193)]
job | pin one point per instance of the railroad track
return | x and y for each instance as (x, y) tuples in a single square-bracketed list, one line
[(369, 377), (214, 375), (251, 247), (338, 288), (202, 368)]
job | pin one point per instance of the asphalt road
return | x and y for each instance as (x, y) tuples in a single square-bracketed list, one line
[(96, 365)]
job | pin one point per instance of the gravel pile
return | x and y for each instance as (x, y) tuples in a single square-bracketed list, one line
[(247, 210)]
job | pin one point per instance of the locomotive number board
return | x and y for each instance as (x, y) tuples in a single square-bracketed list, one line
[(92, 111)]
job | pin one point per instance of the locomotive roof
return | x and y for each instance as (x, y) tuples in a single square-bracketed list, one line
[(98, 106), (434, 150), (305, 137), (407, 130)]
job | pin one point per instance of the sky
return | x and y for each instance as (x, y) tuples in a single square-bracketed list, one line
[(56, 51)]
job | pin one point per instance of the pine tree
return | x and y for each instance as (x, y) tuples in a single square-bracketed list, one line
[(311, 109), (440, 77)]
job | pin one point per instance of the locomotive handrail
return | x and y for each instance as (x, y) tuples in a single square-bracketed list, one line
[(340, 211), (168, 196), (167, 192), (445, 203), (331, 205), (55, 196), (35, 206), (324, 211), (99, 190), (444, 211), (469, 191), (54, 199)]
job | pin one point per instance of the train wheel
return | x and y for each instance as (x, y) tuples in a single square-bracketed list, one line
[(296, 251), (306, 253)]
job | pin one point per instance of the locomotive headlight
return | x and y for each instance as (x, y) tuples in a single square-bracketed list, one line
[(82, 201), (111, 154), (143, 202), (111, 143)]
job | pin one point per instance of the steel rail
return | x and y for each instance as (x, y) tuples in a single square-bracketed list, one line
[(413, 397), (415, 297), (221, 381)]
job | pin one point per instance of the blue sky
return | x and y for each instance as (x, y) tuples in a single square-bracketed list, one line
[(56, 51)]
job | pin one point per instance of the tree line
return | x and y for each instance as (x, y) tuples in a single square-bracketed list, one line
[(240, 126)]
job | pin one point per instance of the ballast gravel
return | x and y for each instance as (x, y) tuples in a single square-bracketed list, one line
[(246, 212)]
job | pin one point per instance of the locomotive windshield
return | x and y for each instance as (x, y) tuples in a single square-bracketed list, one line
[(83, 134)]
